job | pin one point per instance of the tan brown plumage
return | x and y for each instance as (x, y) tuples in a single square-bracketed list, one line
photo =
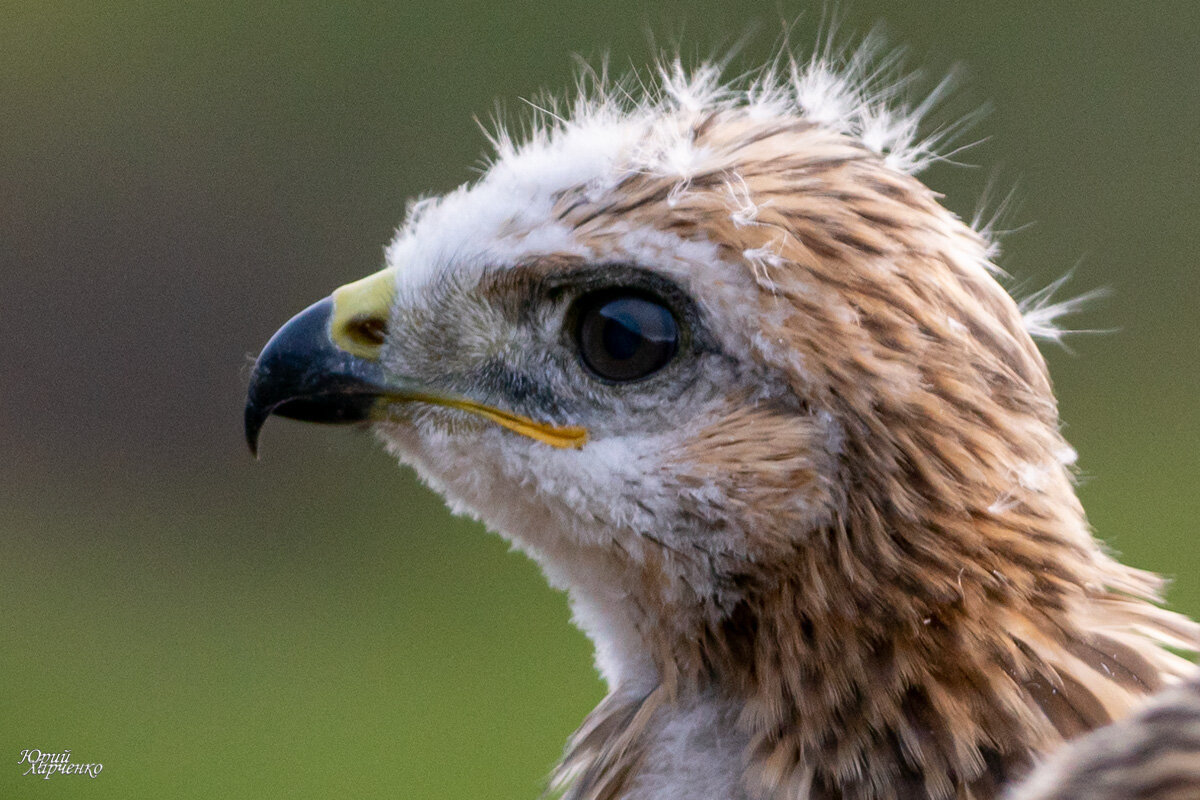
[(837, 553), (948, 623), (1152, 755)]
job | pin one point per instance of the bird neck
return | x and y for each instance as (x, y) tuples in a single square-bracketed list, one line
[(836, 678)]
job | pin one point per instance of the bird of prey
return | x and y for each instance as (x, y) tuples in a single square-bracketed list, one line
[(710, 353)]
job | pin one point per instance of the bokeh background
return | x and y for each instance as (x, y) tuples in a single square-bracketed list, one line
[(177, 179)]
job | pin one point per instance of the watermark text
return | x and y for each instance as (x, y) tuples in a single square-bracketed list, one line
[(43, 764)]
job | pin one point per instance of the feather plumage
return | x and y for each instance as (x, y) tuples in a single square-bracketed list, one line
[(1152, 755), (952, 617), (839, 554)]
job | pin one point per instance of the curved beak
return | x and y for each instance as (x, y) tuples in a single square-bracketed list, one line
[(301, 374), (323, 366)]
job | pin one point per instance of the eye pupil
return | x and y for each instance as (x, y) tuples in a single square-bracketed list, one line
[(625, 336), (622, 333)]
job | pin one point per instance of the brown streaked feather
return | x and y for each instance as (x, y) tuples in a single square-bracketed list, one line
[(1152, 755), (604, 754), (952, 619)]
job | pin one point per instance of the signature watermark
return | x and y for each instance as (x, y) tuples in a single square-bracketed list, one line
[(46, 764)]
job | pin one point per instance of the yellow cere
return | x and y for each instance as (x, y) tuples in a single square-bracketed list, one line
[(360, 314)]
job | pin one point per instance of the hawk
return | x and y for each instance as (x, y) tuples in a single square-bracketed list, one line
[(713, 356)]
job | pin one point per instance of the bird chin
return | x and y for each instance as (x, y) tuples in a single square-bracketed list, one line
[(396, 437)]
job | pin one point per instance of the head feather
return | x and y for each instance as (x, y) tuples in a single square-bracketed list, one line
[(900, 591)]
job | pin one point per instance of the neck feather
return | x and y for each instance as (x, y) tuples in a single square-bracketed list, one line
[(920, 669)]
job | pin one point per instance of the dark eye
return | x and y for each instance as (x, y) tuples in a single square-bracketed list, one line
[(625, 335)]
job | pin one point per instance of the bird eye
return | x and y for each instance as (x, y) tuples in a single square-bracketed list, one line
[(624, 335)]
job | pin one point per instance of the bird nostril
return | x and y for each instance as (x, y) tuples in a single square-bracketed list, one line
[(358, 323), (367, 331)]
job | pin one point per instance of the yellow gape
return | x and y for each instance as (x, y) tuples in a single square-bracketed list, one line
[(561, 436)]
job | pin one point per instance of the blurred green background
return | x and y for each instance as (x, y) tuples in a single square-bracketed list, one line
[(177, 179)]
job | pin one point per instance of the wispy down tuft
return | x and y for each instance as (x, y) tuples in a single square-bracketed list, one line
[(1041, 313), (861, 90), (646, 121)]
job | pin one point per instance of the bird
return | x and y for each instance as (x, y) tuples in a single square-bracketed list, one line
[(710, 352)]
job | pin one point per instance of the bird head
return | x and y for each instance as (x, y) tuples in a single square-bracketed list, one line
[(730, 373)]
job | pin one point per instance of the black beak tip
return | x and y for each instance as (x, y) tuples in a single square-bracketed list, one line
[(254, 421), (302, 374), (281, 369)]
